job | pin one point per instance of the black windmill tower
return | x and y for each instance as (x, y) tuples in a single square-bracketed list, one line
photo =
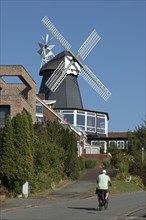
[(60, 74), (67, 94)]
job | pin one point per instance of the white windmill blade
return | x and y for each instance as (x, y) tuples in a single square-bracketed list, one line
[(49, 54), (56, 78), (95, 83), (50, 47), (89, 44), (56, 33), (47, 39)]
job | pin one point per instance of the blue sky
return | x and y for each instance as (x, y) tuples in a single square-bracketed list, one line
[(118, 59)]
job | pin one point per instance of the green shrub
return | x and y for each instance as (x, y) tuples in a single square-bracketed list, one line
[(90, 163), (43, 182), (137, 181), (123, 167), (107, 163), (122, 176), (82, 163)]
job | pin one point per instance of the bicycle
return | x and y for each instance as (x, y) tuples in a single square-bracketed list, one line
[(102, 201)]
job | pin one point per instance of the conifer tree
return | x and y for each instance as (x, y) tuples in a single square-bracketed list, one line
[(71, 160), (23, 151), (7, 160)]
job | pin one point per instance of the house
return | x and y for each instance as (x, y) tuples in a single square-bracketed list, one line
[(90, 127), (16, 97)]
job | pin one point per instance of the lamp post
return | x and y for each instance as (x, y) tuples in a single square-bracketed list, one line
[(142, 152)]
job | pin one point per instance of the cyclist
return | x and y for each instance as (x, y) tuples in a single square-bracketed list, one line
[(103, 182)]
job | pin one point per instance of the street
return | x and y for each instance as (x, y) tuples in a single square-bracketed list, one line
[(120, 207)]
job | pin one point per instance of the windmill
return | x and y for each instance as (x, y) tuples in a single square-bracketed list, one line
[(45, 50), (63, 70)]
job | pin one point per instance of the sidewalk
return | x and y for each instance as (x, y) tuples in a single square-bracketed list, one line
[(9, 204), (138, 214)]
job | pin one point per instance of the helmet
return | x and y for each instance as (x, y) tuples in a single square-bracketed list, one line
[(104, 171)]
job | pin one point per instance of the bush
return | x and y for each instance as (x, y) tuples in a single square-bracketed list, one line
[(123, 167), (82, 163), (90, 163), (137, 181), (107, 163), (43, 182)]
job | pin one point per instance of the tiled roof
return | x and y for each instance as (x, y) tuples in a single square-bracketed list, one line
[(117, 134)]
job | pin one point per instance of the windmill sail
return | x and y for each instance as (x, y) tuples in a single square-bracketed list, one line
[(95, 83), (59, 75), (89, 44), (56, 33)]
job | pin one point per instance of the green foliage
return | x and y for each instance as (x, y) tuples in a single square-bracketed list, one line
[(16, 153), (7, 158), (71, 163), (56, 153), (123, 167), (43, 182), (107, 163), (82, 163), (137, 140), (137, 181), (90, 163)]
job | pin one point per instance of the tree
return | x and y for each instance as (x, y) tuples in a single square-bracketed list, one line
[(7, 160), (71, 162), (136, 140), (48, 155), (23, 151)]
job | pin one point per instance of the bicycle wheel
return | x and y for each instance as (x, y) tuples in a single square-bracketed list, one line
[(106, 204), (101, 204)]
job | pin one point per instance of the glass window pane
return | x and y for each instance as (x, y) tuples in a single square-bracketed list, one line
[(80, 119), (39, 109), (80, 112), (65, 111), (39, 119), (91, 114), (91, 129), (69, 118), (4, 112), (91, 121), (100, 122)]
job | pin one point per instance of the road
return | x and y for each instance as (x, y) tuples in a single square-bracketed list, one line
[(72, 202), (78, 209)]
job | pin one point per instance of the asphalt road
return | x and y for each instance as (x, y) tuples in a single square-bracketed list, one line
[(124, 206), (75, 202)]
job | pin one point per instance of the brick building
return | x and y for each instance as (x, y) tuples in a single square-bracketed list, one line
[(16, 97)]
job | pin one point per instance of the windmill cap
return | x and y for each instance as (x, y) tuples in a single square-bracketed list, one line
[(104, 171)]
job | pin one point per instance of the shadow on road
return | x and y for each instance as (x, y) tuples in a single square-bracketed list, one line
[(84, 208)]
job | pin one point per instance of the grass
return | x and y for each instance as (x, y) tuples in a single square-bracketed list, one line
[(121, 186)]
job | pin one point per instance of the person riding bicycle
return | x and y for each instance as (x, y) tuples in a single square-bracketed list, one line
[(103, 182)]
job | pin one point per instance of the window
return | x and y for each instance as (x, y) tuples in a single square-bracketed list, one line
[(112, 143), (100, 124), (80, 118), (69, 118), (39, 119), (120, 145), (91, 122), (39, 109), (103, 143), (88, 150), (4, 112)]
